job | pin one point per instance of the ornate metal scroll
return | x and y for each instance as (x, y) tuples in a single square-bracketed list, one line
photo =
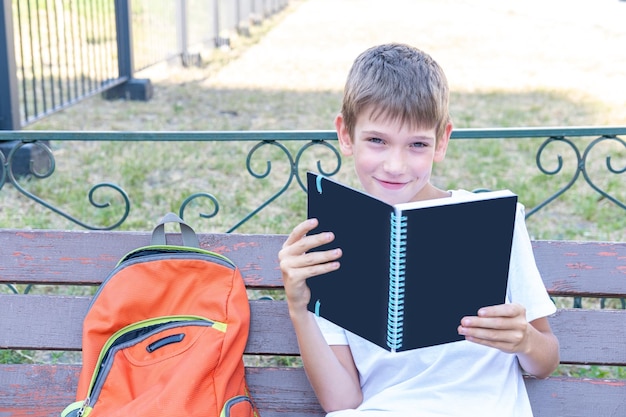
[(581, 168), (294, 172), (48, 169), (609, 166)]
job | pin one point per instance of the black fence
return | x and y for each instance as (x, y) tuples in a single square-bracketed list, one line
[(54, 53)]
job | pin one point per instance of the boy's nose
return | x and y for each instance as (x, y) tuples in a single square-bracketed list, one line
[(394, 163)]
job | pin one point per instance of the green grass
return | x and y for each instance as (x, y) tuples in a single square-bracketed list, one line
[(592, 371)]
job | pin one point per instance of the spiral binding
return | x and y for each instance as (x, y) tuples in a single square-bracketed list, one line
[(397, 259)]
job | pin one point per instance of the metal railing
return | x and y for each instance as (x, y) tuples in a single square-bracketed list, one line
[(56, 53), (605, 143), (580, 147)]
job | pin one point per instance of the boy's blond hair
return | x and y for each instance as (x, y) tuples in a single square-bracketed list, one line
[(397, 82)]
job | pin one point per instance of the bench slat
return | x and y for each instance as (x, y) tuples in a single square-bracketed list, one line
[(580, 332), (270, 327), (70, 257), (568, 268), (43, 391), (589, 336), (36, 390), (575, 397), (595, 269)]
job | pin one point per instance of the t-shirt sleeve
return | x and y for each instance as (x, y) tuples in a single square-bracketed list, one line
[(525, 284), (333, 334)]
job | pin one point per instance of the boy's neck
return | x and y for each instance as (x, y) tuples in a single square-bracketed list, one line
[(430, 192)]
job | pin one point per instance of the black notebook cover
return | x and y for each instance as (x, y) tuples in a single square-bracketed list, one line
[(407, 279)]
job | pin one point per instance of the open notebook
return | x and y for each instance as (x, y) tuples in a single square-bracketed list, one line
[(409, 272)]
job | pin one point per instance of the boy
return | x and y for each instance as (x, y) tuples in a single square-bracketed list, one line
[(394, 122)]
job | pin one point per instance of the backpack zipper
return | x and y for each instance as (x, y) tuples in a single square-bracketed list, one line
[(172, 249), (81, 410)]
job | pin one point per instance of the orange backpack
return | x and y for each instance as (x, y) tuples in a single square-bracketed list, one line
[(164, 335)]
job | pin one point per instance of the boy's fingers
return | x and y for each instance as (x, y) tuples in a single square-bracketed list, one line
[(312, 267), (306, 243), (502, 310), (310, 259), (319, 258), (300, 231), (324, 268)]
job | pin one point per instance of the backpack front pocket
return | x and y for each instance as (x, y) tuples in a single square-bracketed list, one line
[(149, 367)]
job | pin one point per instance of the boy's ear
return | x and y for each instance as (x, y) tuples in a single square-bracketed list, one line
[(442, 143), (345, 142)]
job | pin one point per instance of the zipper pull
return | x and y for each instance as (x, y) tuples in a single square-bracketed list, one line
[(81, 410)]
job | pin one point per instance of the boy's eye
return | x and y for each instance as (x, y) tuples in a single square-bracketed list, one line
[(376, 140), (419, 145)]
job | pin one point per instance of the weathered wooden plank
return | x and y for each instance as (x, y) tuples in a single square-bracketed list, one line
[(60, 328), (271, 331), (43, 391), (36, 256), (594, 269), (283, 392), (36, 390), (586, 336), (41, 322), (577, 397), (87, 257), (591, 336)]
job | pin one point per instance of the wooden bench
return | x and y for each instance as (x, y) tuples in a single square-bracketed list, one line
[(53, 322)]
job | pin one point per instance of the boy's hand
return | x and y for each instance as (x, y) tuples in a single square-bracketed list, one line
[(505, 327), (502, 327), (297, 264)]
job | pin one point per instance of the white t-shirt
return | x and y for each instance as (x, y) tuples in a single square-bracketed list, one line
[(453, 379)]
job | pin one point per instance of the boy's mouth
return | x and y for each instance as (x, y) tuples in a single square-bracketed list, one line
[(391, 185)]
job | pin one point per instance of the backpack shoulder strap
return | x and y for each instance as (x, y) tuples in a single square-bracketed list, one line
[(189, 235)]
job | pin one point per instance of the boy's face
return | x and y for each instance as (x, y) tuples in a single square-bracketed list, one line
[(393, 162)]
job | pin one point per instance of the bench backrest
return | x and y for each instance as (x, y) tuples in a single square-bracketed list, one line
[(52, 322)]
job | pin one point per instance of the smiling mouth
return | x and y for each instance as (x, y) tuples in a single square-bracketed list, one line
[(391, 185)]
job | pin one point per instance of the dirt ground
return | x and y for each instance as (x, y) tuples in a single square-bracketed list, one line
[(482, 44), (485, 46)]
